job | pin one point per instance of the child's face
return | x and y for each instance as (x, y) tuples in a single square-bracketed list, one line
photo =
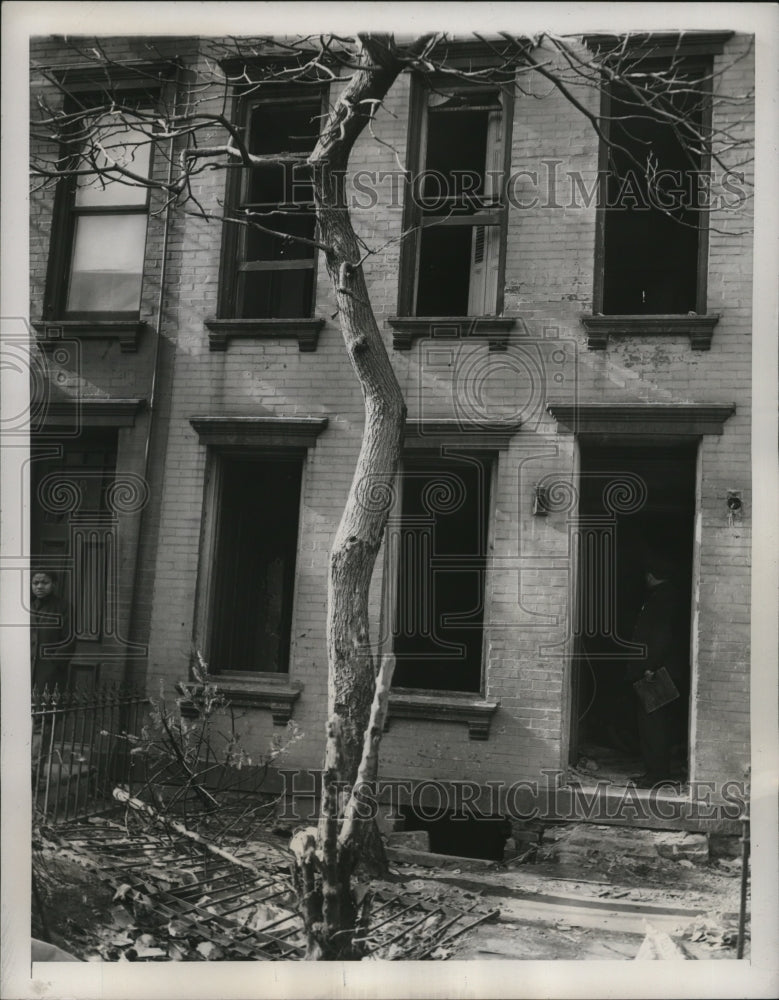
[(42, 585)]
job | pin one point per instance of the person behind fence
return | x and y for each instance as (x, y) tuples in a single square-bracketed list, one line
[(51, 635), (658, 674)]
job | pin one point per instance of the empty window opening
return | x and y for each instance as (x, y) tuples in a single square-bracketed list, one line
[(255, 565), (653, 212), (652, 490), (467, 836), (440, 553), (457, 203)]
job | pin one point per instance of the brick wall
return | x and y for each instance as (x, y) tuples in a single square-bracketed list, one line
[(548, 285)]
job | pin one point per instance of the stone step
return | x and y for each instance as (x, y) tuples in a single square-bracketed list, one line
[(583, 840)]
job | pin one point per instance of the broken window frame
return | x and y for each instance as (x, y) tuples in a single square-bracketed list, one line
[(701, 65), (415, 221), (234, 264)]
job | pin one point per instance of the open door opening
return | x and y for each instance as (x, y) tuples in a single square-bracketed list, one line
[(637, 508)]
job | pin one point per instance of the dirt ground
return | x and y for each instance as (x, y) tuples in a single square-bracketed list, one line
[(598, 907), (592, 906), (76, 908)]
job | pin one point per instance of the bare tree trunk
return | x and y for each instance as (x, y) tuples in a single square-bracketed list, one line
[(325, 863), (357, 541)]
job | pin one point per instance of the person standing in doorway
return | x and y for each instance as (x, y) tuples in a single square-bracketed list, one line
[(659, 628), (51, 636)]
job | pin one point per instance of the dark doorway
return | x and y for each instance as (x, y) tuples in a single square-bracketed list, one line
[(69, 490), (635, 502), (255, 565)]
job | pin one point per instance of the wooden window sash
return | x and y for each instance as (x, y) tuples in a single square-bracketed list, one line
[(233, 262), (65, 218), (415, 220)]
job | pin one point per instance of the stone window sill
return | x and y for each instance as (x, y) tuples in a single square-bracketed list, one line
[(699, 328), (304, 331), (494, 329), (125, 331), (444, 707), (274, 692)]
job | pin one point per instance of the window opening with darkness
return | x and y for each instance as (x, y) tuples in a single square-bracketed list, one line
[(440, 551), (272, 277), (256, 552), (654, 214), (456, 204)]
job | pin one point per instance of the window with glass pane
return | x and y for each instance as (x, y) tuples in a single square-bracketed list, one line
[(274, 275), (109, 216)]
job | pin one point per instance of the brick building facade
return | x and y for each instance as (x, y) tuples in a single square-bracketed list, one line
[(557, 433)]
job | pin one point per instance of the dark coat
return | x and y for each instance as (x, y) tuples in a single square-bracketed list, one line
[(51, 641), (661, 628)]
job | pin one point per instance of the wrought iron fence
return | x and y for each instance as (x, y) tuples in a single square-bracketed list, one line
[(79, 748)]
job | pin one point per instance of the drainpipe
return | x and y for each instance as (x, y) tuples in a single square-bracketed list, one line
[(151, 399)]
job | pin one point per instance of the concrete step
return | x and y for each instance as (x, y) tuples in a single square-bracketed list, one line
[(584, 840)]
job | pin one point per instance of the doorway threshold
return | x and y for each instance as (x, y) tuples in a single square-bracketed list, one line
[(621, 803)]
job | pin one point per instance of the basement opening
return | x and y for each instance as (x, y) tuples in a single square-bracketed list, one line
[(637, 508), (471, 836)]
